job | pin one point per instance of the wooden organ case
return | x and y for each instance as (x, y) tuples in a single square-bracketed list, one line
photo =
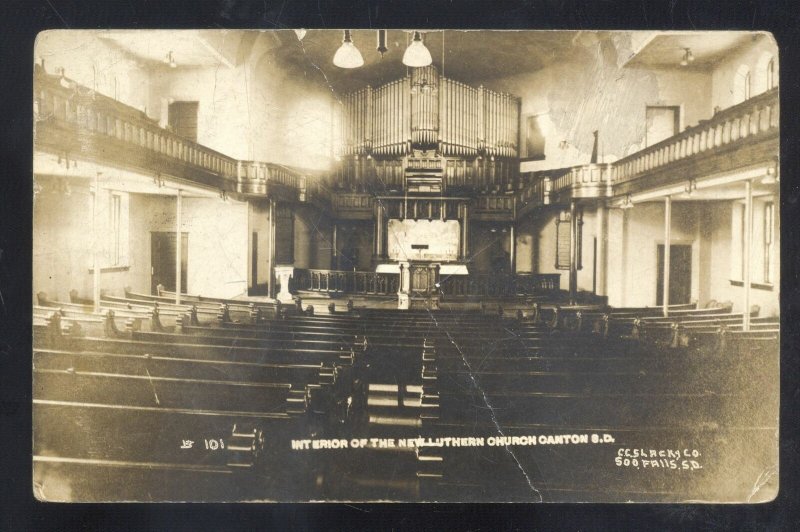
[(429, 134), (426, 147)]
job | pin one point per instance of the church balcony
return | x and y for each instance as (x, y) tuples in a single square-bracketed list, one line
[(262, 179), (582, 182), (739, 137), (743, 135), (76, 123)]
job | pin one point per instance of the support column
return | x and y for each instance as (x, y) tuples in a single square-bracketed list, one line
[(464, 248), (335, 250), (667, 245), (96, 244), (512, 249), (178, 245), (601, 232), (747, 251), (573, 252), (378, 231), (271, 253)]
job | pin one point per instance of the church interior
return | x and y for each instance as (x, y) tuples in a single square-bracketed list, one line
[(521, 254)]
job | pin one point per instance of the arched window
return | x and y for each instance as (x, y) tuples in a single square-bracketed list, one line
[(765, 74), (771, 81), (747, 85), (741, 84)]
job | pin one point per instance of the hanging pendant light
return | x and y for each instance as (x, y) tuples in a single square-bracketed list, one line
[(381, 46), (348, 56), (301, 32), (170, 60), (417, 54), (688, 57)]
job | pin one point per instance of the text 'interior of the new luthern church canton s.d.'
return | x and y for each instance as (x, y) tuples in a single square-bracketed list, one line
[(365, 265)]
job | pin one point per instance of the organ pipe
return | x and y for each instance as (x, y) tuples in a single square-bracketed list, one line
[(424, 110)]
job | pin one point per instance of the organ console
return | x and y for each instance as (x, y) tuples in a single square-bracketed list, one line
[(427, 123)]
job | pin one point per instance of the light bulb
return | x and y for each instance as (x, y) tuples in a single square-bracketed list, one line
[(417, 54), (300, 33), (348, 56)]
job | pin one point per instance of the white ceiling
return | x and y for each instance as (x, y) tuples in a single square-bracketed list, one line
[(190, 48), (467, 56), (666, 50)]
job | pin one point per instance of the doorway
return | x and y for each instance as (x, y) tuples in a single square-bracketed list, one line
[(661, 123), (680, 274), (182, 118), (162, 258)]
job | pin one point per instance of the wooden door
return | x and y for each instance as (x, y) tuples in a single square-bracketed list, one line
[(680, 275), (183, 119), (162, 259)]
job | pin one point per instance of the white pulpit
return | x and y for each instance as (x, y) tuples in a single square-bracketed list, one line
[(284, 274)]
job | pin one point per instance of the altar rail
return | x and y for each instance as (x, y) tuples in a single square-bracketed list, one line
[(346, 282), (387, 284), (500, 285)]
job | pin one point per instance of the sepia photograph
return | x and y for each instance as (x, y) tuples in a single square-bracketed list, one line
[(406, 265)]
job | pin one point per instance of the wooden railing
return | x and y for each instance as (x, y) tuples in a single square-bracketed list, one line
[(254, 177), (500, 285), (346, 282), (752, 118), (590, 180), (74, 120), (495, 207)]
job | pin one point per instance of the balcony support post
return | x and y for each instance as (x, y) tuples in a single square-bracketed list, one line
[(334, 248), (573, 252), (271, 253), (178, 245), (600, 258), (747, 251), (512, 245), (96, 244), (667, 245)]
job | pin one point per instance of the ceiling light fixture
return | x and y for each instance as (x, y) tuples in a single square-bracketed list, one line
[(627, 203), (381, 45), (348, 56), (690, 187), (300, 33), (688, 57), (772, 175), (417, 54)]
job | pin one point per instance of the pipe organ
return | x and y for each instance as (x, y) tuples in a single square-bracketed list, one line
[(465, 136)]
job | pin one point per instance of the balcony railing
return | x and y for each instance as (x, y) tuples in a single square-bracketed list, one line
[(755, 117), (752, 120), (74, 120), (254, 177)]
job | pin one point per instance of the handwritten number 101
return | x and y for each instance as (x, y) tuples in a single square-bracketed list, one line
[(214, 444)]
